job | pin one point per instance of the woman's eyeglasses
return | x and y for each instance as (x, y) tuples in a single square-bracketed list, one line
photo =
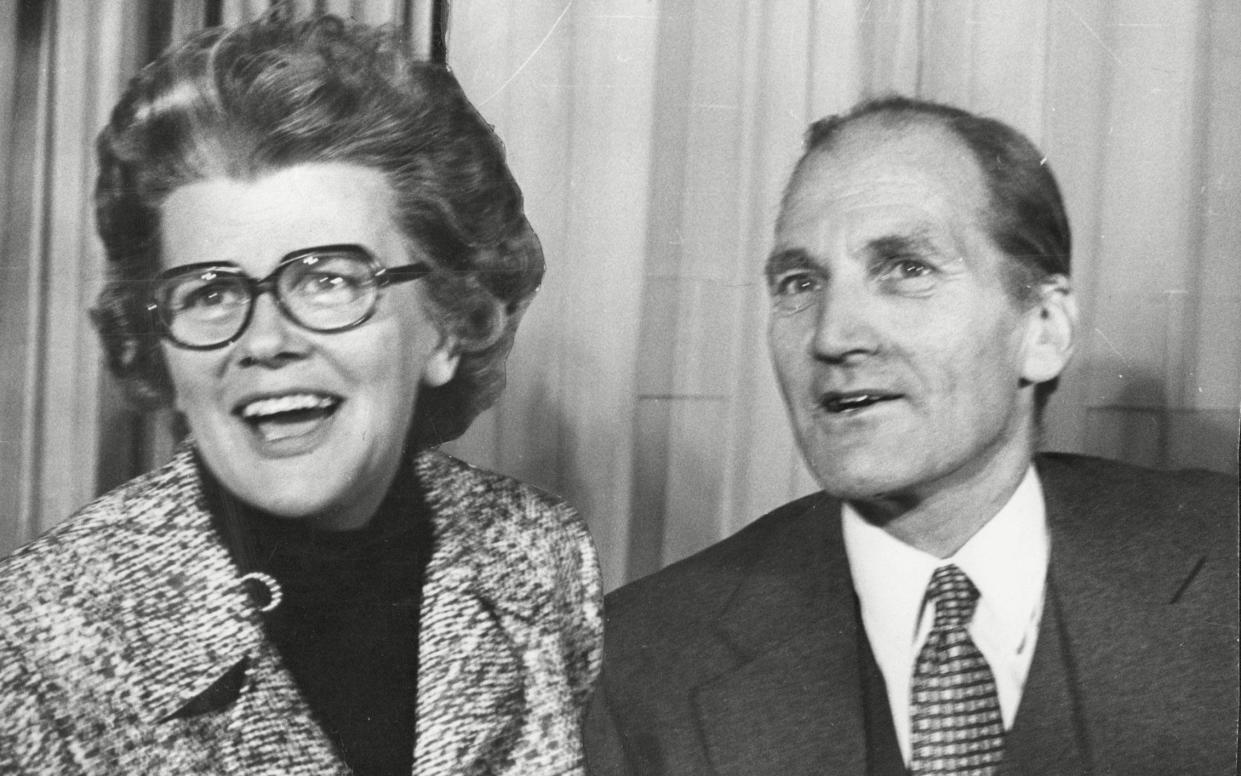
[(332, 288)]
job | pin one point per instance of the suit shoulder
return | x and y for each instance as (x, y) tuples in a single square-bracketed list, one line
[(675, 600), (1192, 501)]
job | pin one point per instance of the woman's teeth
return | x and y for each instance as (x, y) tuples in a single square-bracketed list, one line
[(288, 416), (294, 402)]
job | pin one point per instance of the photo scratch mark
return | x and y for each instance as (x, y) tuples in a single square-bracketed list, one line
[(1109, 343), (1092, 32), (529, 58)]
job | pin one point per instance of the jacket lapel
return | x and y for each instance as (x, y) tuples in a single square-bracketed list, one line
[(189, 621), (195, 640), (1046, 738), (470, 688), (1113, 583), (793, 702)]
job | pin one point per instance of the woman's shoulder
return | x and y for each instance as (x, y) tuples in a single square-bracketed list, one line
[(453, 485), (514, 534), (94, 545)]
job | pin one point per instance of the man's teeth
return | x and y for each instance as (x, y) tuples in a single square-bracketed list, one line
[(294, 402), (852, 402)]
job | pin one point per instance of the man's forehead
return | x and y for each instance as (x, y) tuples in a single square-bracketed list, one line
[(912, 182)]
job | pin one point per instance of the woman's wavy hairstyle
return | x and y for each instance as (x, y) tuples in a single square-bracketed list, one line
[(243, 102)]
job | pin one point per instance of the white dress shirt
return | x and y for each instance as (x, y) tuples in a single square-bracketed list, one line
[(1007, 562)]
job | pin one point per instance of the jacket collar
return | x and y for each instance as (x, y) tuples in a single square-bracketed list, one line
[(193, 617), (197, 621), (470, 677)]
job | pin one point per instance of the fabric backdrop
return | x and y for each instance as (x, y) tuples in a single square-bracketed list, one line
[(652, 140)]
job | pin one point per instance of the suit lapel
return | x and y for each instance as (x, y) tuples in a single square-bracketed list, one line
[(793, 702), (1046, 738), (1111, 585)]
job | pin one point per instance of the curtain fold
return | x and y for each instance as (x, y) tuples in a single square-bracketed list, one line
[(1135, 102), (67, 70), (652, 139)]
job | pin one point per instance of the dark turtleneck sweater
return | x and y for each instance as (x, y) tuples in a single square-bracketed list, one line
[(347, 628)]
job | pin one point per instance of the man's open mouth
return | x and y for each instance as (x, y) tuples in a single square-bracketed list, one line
[(854, 401)]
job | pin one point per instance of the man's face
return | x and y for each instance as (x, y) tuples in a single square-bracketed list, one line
[(899, 353)]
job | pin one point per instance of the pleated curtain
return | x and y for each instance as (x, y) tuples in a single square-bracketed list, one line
[(652, 140)]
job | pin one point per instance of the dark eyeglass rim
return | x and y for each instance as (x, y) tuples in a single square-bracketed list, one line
[(383, 276)]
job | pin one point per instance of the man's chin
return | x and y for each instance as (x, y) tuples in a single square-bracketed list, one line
[(879, 486)]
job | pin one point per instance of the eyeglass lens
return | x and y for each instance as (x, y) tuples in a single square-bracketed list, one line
[(327, 290)]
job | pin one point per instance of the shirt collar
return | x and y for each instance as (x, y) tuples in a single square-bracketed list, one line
[(1006, 560)]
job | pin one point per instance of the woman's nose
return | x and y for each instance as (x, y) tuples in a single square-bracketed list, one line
[(270, 338)]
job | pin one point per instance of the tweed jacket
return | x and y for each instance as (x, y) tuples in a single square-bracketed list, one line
[(122, 628), (750, 658)]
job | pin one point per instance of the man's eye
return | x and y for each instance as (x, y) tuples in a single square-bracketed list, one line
[(911, 268), (908, 275), (795, 284)]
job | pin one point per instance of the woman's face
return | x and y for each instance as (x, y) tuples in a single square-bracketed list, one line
[(300, 423)]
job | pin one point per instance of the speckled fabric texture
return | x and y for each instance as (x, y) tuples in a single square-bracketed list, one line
[(129, 645)]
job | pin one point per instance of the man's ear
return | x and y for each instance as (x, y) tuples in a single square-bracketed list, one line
[(441, 365), (1051, 331)]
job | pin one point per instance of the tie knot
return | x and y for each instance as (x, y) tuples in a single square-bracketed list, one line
[(954, 596)]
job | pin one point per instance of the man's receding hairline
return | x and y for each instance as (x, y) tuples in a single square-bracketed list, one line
[(903, 124)]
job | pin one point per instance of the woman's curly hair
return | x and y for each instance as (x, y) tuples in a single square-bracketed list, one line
[(243, 102)]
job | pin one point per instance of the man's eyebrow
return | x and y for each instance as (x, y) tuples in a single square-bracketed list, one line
[(787, 259), (918, 241)]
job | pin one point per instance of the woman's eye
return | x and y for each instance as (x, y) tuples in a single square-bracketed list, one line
[(324, 283), (329, 287), (210, 295)]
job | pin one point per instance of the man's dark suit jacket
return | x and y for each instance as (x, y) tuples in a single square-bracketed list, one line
[(749, 658)]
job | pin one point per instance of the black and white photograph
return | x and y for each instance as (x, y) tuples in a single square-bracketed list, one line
[(620, 387)]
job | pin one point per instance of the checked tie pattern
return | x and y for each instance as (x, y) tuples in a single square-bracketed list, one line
[(956, 727)]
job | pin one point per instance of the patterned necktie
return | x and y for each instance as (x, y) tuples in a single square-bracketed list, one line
[(955, 712)]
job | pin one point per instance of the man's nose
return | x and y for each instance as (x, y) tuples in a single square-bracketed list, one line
[(270, 338), (844, 324)]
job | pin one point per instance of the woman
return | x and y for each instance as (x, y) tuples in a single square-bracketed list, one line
[(319, 258)]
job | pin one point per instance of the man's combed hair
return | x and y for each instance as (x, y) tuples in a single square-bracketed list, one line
[(1025, 214), (271, 94)]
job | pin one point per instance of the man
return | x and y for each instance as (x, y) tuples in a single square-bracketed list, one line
[(950, 602)]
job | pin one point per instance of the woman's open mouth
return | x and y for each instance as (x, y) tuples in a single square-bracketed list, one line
[(275, 418)]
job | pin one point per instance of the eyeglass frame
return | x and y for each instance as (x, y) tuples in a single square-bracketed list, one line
[(381, 277)]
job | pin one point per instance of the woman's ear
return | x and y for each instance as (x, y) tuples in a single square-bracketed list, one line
[(441, 365), (1051, 333)]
